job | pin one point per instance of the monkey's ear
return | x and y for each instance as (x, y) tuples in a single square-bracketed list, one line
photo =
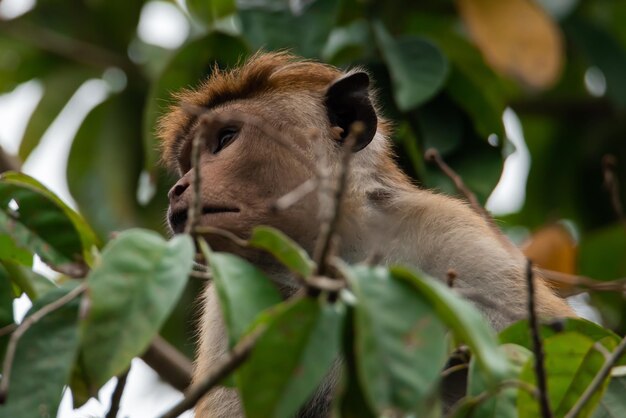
[(347, 101)]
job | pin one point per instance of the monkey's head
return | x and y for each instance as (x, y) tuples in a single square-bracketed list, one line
[(264, 127)]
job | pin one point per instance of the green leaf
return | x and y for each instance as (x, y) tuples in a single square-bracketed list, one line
[(208, 11), (44, 224), (417, 67), (612, 404), (308, 29), (602, 253), (132, 291), (441, 124), (290, 358), (192, 63), (43, 360), (10, 251), (503, 403), (604, 52), (571, 362), (400, 342), (286, 250), (465, 321), (485, 109), (244, 291), (33, 284), (519, 332)]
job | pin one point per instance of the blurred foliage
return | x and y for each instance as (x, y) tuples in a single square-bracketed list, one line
[(445, 72)]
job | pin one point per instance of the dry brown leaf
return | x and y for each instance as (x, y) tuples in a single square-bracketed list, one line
[(516, 38), (553, 248)]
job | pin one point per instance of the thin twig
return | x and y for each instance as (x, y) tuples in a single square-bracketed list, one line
[(286, 201), (327, 230), (598, 379), (432, 155), (211, 230), (583, 283), (195, 208), (453, 369), (7, 329), (223, 368), (611, 184), (24, 326), (116, 397), (540, 372), (200, 275), (474, 401)]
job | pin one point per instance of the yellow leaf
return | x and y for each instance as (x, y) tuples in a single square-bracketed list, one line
[(553, 248), (516, 38)]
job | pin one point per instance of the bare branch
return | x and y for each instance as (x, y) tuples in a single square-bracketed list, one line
[(7, 329), (223, 368), (598, 380), (329, 226), (432, 155), (169, 363), (580, 284), (211, 230), (294, 196), (116, 397), (540, 372), (24, 326)]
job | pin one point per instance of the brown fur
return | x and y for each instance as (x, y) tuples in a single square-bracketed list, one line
[(383, 212)]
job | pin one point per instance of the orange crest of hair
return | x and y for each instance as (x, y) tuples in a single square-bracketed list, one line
[(262, 73)]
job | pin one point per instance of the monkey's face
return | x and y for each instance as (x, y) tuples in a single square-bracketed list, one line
[(244, 168)]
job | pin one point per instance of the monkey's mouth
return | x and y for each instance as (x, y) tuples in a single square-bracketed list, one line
[(178, 218)]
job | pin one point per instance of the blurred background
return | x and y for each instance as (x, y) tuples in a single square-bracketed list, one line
[(526, 100)]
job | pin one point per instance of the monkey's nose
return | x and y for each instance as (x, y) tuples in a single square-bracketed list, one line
[(178, 189)]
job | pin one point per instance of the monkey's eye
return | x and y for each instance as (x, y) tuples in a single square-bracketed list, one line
[(224, 137)]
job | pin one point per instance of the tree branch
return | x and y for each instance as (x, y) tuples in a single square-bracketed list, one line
[(540, 372), (223, 368), (24, 326), (169, 363)]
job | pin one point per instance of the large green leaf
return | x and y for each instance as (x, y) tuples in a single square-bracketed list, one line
[(287, 251), (26, 280), (291, 357), (9, 250), (519, 332), (308, 29), (612, 404), (192, 63), (43, 360), (400, 341), (418, 68), (465, 321), (244, 291), (571, 362), (132, 290), (43, 223)]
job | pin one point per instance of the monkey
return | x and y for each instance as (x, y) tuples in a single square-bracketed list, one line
[(244, 169)]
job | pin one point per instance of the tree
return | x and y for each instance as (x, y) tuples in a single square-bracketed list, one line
[(446, 72)]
